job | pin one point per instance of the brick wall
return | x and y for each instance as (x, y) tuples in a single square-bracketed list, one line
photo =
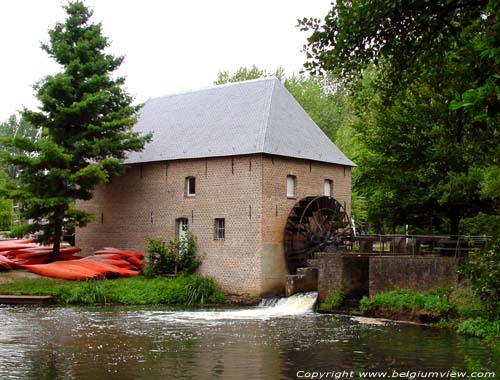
[(248, 191), (310, 177), (148, 199)]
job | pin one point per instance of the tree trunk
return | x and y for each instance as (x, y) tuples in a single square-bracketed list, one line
[(58, 222), (454, 221)]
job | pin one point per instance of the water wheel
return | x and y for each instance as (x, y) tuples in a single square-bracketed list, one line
[(313, 224)]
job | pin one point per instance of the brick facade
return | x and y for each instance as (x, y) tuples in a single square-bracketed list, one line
[(249, 191)]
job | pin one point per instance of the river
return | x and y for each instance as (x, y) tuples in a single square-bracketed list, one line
[(114, 342)]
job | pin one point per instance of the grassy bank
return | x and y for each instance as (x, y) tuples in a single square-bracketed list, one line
[(459, 309), (184, 290)]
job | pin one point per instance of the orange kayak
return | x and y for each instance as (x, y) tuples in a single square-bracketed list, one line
[(64, 272)]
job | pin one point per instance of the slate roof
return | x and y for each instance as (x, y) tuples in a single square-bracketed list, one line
[(257, 116)]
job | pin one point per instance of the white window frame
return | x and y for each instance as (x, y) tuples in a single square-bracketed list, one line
[(328, 184), (291, 186), (190, 192), (220, 229), (182, 227)]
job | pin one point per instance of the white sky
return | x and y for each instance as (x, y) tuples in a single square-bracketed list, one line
[(170, 45)]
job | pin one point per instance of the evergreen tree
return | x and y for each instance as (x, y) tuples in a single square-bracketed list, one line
[(86, 120)]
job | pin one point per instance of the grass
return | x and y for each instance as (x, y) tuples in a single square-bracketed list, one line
[(436, 301), (457, 308), (183, 290)]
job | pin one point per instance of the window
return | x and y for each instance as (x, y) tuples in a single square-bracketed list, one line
[(182, 228), (220, 229), (290, 186), (190, 186), (328, 187)]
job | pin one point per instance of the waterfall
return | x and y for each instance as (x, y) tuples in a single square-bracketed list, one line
[(268, 308), (297, 303)]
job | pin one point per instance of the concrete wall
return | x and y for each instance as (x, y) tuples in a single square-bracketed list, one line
[(276, 206), (345, 272), (248, 191), (418, 273), (359, 275)]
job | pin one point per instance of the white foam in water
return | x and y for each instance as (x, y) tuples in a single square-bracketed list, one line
[(268, 308)]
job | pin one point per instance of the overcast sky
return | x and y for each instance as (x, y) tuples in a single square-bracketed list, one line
[(169, 46)]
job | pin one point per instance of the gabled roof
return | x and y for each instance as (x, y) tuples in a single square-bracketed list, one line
[(257, 116)]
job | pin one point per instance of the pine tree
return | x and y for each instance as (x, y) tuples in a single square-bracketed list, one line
[(86, 120)]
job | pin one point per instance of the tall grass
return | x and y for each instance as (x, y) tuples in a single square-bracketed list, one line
[(183, 290)]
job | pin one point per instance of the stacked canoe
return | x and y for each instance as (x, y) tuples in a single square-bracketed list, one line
[(106, 263)]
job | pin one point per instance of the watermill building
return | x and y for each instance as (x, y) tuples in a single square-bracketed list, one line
[(228, 163)]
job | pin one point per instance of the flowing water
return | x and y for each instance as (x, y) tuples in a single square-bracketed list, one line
[(280, 339)]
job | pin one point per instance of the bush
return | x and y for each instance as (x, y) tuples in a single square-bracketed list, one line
[(177, 256), (480, 327), (482, 270), (160, 260), (334, 300), (436, 301)]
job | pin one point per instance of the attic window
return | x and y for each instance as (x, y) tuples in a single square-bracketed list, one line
[(190, 186), (290, 186)]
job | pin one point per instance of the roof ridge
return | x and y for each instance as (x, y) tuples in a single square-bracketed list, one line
[(267, 115), (213, 87)]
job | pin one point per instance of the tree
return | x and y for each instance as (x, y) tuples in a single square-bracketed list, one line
[(12, 128), (436, 89), (86, 120)]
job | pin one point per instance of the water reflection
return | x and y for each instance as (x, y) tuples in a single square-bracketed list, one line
[(161, 343)]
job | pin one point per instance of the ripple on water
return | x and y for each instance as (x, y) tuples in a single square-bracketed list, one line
[(250, 343)]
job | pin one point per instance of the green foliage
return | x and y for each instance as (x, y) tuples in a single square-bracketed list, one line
[(178, 256), (333, 301), (437, 301), (160, 260), (482, 270), (408, 35), (481, 328), (425, 85), (5, 214), (481, 224), (183, 290), (247, 73), (86, 120), (188, 261)]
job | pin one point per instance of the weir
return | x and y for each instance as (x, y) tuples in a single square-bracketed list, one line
[(297, 303)]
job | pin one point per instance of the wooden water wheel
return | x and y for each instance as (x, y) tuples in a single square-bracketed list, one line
[(313, 224)]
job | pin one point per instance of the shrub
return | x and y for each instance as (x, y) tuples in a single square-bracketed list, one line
[(480, 327), (334, 300), (160, 260), (437, 301), (482, 270), (177, 256)]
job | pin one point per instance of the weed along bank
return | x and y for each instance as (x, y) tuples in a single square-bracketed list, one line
[(227, 163)]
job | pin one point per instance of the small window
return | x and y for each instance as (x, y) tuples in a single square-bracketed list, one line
[(220, 229), (328, 187), (290, 186), (190, 186)]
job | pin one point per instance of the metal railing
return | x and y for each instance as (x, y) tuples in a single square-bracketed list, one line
[(405, 244)]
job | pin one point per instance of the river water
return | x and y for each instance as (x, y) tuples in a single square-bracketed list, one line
[(112, 342)]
